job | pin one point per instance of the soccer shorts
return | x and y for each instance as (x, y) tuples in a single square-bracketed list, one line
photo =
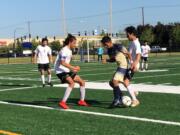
[(120, 74), (44, 67), (129, 74), (64, 75), (145, 59)]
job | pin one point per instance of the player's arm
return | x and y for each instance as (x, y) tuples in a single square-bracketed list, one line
[(35, 56), (50, 55), (71, 67), (137, 59), (126, 53), (111, 59), (50, 58)]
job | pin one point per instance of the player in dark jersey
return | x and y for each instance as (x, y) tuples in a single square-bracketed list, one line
[(119, 54)]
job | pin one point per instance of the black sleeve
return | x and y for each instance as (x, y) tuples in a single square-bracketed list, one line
[(111, 59)]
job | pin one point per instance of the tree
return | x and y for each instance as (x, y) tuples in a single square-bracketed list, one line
[(147, 35), (176, 34), (55, 45), (34, 44)]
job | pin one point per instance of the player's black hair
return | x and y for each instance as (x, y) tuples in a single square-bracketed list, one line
[(131, 30), (105, 39), (44, 39), (69, 39)]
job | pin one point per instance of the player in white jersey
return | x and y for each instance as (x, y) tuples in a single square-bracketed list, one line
[(135, 51), (67, 73), (144, 57), (43, 56)]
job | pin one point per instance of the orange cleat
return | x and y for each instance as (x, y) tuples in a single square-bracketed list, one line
[(82, 103), (63, 105)]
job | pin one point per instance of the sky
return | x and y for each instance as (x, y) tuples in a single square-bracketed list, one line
[(45, 16)]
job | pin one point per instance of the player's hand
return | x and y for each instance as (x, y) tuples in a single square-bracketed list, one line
[(76, 69), (134, 67)]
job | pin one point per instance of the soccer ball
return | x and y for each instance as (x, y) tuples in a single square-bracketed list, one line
[(126, 100)]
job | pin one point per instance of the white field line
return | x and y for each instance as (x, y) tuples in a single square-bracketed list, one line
[(157, 70), (173, 123), (138, 87), (152, 76), (94, 74), (22, 88)]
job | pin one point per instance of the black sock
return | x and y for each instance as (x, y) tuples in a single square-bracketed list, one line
[(117, 93)]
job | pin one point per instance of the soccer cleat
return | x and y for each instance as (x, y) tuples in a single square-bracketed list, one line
[(135, 103), (136, 93), (50, 84), (63, 105), (82, 103), (116, 104)]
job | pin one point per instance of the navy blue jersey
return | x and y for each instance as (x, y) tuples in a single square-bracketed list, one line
[(113, 51)]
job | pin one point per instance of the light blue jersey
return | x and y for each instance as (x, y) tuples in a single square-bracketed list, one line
[(100, 51)]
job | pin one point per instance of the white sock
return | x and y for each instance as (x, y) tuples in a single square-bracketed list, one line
[(67, 94), (142, 65), (49, 78), (131, 92), (43, 79), (83, 92), (146, 65)]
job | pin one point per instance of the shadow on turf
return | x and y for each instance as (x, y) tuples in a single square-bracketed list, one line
[(71, 101)]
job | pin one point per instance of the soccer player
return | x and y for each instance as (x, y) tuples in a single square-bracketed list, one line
[(67, 73), (119, 54), (43, 56), (135, 51), (100, 53), (145, 49)]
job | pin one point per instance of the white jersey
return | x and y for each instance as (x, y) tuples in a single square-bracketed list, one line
[(145, 50), (135, 48), (43, 53), (65, 54)]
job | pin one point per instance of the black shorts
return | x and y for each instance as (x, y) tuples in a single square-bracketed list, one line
[(129, 74), (44, 67), (64, 75), (145, 59)]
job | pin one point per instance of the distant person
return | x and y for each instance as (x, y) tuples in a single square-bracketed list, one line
[(145, 50), (67, 72), (43, 56), (135, 51), (100, 52)]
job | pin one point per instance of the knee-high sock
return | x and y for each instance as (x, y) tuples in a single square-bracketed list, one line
[(142, 65), (43, 79), (117, 93), (146, 66), (131, 92), (82, 92), (67, 94), (49, 78)]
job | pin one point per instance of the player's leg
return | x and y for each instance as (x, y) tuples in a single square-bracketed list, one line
[(67, 93), (98, 57), (142, 63), (41, 70), (146, 63), (49, 76), (114, 83), (81, 83), (101, 57), (132, 92)]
